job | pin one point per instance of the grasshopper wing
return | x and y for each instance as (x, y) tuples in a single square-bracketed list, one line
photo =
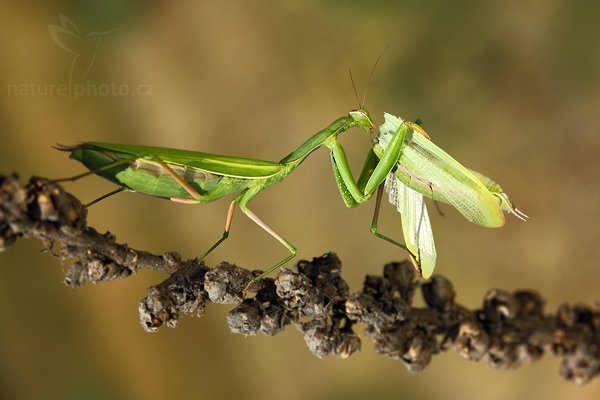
[(429, 170), (415, 223)]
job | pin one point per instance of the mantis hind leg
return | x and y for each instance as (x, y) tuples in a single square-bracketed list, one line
[(186, 186), (271, 232), (83, 175), (75, 177), (227, 228), (105, 196), (242, 199), (94, 171), (196, 198)]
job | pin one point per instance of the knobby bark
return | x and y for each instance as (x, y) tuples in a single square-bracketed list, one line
[(509, 330)]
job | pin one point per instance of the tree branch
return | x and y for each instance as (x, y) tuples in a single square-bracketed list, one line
[(511, 329)]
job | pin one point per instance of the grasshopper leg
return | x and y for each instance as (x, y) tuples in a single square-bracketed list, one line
[(374, 229), (376, 232), (436, 203)]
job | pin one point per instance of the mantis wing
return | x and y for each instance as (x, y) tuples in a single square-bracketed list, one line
[(416, 227), (429, 170), (236, 167)]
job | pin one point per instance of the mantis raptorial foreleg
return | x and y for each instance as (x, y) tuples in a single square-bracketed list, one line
[(369, 165), (371, 178), (339, 180), (349, 189), (374, 173), (388, 159)]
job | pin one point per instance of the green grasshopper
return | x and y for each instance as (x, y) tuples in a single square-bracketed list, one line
[(429, 170), (423, 169), (406, 154)]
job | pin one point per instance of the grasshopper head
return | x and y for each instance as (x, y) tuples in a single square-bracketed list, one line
[(363, 119)]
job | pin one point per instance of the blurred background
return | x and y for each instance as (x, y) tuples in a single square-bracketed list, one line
[(509, 88)]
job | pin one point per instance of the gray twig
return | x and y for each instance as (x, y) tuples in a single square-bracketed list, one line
[(511, 329)]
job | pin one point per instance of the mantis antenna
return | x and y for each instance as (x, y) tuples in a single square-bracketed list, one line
[(361, 104), (371, 76), (354, 87)]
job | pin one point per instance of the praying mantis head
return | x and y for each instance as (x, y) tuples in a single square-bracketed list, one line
[(363, 119)]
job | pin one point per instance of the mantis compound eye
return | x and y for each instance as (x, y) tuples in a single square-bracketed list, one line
[(363, 118)]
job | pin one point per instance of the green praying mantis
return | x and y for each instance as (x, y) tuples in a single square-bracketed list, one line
[(403, 161)]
